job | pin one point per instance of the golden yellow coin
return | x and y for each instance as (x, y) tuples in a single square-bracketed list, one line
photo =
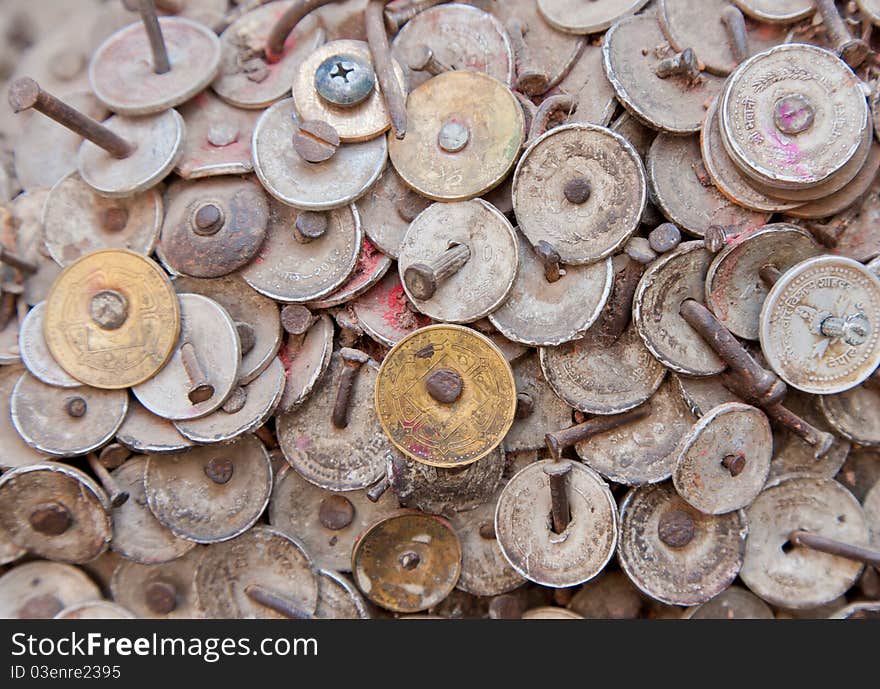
[(445, 395), (112, 319), (464, 133)]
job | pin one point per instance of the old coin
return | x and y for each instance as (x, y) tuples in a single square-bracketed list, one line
[(819, 325), (854, 414), (436, 490), (254, 315), (539, 408), (871, 506), (65, 422), (675, 553), (338, 459), (213, 227), (95, 610), (482, 283), (291, 272), (371, 265), (385, 313), (35, 354), (734, 603), (77, 221), (787, 121), (9, 551), (10, 335), (124, 60), (27, 219), (526, 536), (305, 359), (146, 166), (112, 319), (586, 18), (137, 534), (550, 612), (735, 290), (210, 494), (542, 313), (633, 50), (42, 589), (581, 188), (55, 511), (15, 452), (781, 11), (667, 282), (387, 209), (724, 460), (861, 472), (645, 450), (361, 121), (463, 136), (159, 591), (858, 611), (682, 190), (261, 398), (203, 368), (789, 576), (262, 557), (453, 37), (338, 598), (445, 433), (703, 394), (291, 179), (247, 78), (326, 523), (143, 431), (407, 562), (44, 152), (588, 87)]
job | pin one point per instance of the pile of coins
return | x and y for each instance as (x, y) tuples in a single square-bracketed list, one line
[(507, 308)]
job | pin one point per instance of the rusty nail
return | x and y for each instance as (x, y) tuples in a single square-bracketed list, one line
[(735, 25), (487, 531), (735, 464), (683, 64), (274, 50), (349, 328), (530, 78), (113, 456), (852, 51), (392, 92), (769, 274), (352, 360), (13, 261), (50, 518), (118, 497), (423, 279), (716, 237), (315, 140), (246, 336), (147, 9), (208, 220), (25, 93), (75, 407), (409, 560), (557, 475), (556, 107), (827, 234), (309, 226), (618, 310), (832, 546), (296, 319), (161, 597), (378, 490), (444, 385), (550, 259), (200, 390), (577, 190), (525, 405), (236, 400), (676, 528), (559, 440), (274, 602), (335, 512), (665, 237), (410, 204), (395, 18), (219, 470), (423, 59)]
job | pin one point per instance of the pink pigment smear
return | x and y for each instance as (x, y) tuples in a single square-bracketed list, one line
[(793, 155)]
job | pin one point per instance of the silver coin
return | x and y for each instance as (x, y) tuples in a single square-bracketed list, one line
[(385, 313), (338, 598), (143, 431), (95, 610), (586, 83), (854, 414), (587, 18), (15, 451), (371, 265), (305, 359), (547, 412), (35, 354), (782, 11), (41, 589), (27, 214), (703, 394), (387, 209)]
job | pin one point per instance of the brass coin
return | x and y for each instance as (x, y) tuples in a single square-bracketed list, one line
[(464, 133), (112, 319), (408, 562), (437, 433)]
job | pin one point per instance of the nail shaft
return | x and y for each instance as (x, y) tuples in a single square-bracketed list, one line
[(530, 78), (557, 474), (559, 440), (423, 59), (618, 310), (556, 107), (853, 51), (392, 92), (820, 440), (769, 274), (735, 25), (423, 279), (13, 261), (378, 490), (147, 9), (200, 390), (832, 546), (274, 602), (118, 497), (394, 19), (550, 258), (352, 362), (286, 24)]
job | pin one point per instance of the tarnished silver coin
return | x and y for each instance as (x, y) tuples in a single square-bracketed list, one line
[(610, 596), (287, 176), (239, 416), (41, 589), (586, 18), (580, 188), (542, 313), (667, 282), (793, 116), (338, 598), (204, 367), (645, 450), (143, 431), (305, 359), (735, 290), (213, 227), (724, 460), (858, 611), (820, 325), (146, 166), (539, 409), (35, 354), (734, 603), (218, 138), (387, 209), (860, 473), (871, 10), (292, 272), (586, 84), (55, 511), (794, 577), (486, 278), (371, 265), (326, 523), (385, 312), (14, 451), (210, 494), (777, 11), (484, 570), (137, 534), (261, 557), (633, 50), (674, 553), (854, 414), (77, 220), (703, 394), (682, 191), (334, 458), (438, 490), (255, 317), (65, 422), (161, 591), (95, 610), (525, 532)]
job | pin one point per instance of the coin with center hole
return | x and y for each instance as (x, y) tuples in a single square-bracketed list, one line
[(42, 589), (159, 591)]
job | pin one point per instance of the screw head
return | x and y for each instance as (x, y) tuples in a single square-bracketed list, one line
[(793, 114), (453, 136), (344, 80)]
